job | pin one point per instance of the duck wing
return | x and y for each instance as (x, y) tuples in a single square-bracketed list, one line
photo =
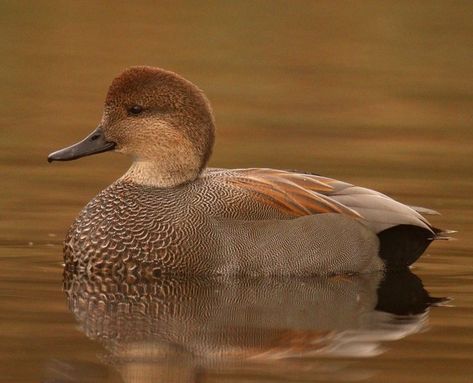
[(297, 194), (293, 194)]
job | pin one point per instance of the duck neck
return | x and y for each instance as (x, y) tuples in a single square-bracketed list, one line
[(160, 174)]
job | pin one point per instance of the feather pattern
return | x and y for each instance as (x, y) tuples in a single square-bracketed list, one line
[(298, 194)]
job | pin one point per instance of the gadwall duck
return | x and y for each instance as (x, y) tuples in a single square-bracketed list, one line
[(169, 214)]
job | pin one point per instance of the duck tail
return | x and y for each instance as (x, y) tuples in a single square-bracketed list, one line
[(439, 234), (442, 235)]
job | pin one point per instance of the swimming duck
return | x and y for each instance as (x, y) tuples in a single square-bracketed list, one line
[(170, 214)]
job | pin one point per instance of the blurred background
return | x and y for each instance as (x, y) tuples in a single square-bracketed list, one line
[(377, 93)]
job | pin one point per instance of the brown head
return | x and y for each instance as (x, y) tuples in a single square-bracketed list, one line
[(161, 120)]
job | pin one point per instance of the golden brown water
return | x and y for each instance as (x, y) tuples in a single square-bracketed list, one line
[(376, 93)]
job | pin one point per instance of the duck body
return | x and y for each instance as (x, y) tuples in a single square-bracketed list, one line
[(213, 226), (241, 221), (170, 214)]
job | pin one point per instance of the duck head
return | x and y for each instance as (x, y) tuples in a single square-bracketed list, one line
[(162, 121)]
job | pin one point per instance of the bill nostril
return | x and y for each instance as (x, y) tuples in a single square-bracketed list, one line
[(94, 137)]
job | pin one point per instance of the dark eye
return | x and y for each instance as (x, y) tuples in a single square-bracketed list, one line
[(135, 109)]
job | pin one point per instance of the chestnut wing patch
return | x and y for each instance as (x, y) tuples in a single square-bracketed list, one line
[(294, 194)]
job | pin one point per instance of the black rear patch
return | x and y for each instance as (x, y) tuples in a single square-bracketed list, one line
[(402, 245)]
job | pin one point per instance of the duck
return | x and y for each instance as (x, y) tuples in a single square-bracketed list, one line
[(170, 214)]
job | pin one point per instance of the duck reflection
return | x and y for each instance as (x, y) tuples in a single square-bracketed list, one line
[(183, 329)]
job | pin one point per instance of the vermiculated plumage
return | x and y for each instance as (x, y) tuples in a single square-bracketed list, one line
[(211, 226), (169, 214)]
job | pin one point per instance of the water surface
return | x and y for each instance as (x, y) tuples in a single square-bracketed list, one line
[(375, 93)]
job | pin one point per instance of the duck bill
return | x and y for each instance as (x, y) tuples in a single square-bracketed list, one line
[(94, 143)]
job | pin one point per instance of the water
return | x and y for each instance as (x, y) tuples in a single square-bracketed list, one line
[(375, 93)]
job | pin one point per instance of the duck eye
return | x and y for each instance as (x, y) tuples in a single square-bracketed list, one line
[(135, 109)]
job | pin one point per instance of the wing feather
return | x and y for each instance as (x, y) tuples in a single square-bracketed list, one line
[(294, 194), (298, 194)]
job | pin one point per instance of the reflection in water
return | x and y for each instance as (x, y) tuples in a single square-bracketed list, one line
[(177, 330)]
